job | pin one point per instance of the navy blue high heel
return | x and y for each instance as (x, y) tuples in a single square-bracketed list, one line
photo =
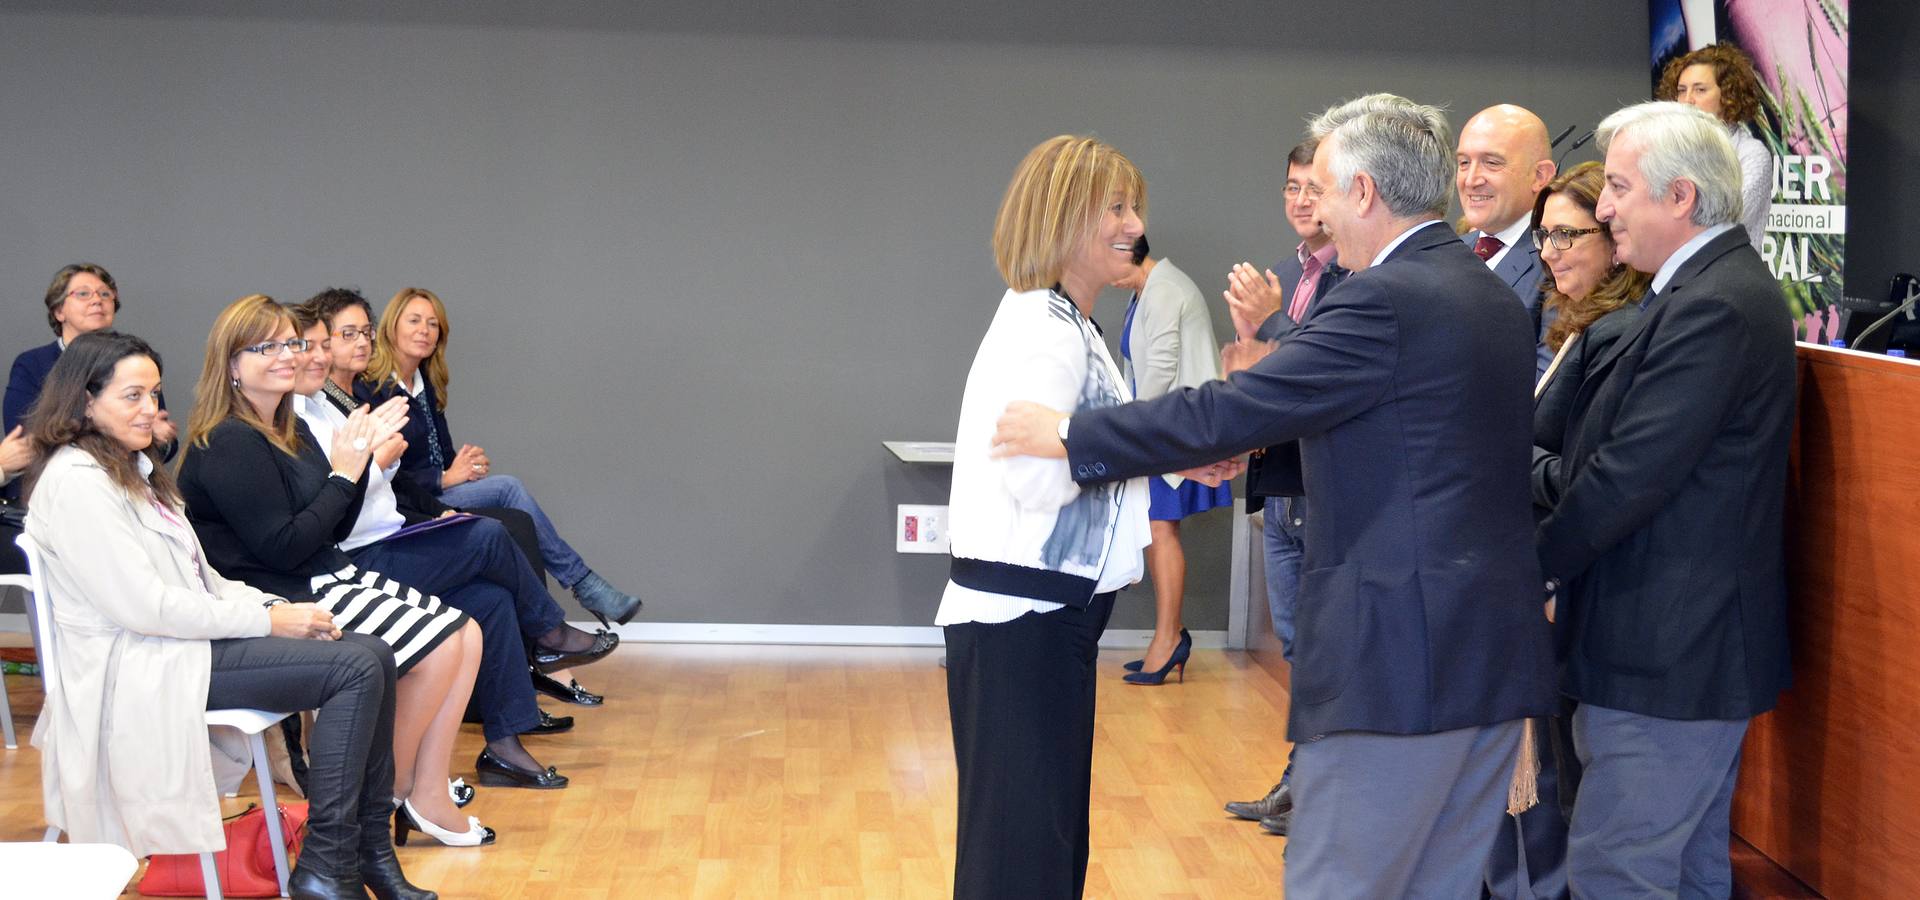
[(1181, 652)]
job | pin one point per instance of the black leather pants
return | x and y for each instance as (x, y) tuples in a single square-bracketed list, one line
[(350, 752)]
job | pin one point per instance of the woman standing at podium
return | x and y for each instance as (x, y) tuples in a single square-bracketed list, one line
[(1036, 558)]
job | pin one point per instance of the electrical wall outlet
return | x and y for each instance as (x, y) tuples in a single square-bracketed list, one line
[(920, 529)]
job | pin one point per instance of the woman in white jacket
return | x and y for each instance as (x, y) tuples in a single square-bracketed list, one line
[(151, 637), (1036, 558)]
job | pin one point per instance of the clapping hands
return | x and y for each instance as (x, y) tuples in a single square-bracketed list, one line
[(366, 429)]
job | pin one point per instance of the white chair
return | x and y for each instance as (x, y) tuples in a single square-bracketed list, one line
[(42, 871), (250, 721), (6, 709)]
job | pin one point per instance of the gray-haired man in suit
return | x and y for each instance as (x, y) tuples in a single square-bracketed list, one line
[(1668, 536), (1422, 643)]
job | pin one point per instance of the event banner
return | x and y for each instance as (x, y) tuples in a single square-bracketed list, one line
[(1799, 50)]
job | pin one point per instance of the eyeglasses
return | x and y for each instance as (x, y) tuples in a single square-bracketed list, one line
[(1560, 238), (351, 334), (86, 295), (273, 348)]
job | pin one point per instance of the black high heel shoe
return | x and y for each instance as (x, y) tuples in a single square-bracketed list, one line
[(1181, 652), (500, 773), (1135, 665)]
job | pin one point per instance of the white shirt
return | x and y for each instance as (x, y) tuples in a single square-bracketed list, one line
[(380, 511), (1686, 252), (1396, 242), (1508, 237)]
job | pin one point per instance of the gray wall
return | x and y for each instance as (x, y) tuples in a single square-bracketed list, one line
[(700, 261)]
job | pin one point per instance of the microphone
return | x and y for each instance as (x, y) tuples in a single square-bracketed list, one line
[(1563, 136), (1902, 283), (1582, 142)]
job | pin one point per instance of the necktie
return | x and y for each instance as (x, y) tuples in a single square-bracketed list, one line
[(1486, 247)]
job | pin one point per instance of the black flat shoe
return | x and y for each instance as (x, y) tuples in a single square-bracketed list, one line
[(306, 884), (500, 773), (571, 692), (551, 724), (547, 660)]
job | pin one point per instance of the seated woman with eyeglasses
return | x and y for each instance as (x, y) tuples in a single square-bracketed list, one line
[(270, 504), (410, 360), (473, 564), (82, 298), (151, 637)]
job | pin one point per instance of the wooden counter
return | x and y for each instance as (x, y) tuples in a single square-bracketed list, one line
[(1830, 782)]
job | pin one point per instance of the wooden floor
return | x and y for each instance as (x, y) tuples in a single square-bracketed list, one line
[(731, 771)]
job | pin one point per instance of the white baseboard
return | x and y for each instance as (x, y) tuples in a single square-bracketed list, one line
[(829, 635), (848, 635)]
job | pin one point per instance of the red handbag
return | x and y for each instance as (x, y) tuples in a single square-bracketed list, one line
[(245, 873)]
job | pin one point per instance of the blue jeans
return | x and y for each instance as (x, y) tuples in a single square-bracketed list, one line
[(1283, 572), (505, 490)]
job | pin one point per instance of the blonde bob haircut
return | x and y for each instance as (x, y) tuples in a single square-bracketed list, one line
[(216, 396), (1053, 204), (384, 362)]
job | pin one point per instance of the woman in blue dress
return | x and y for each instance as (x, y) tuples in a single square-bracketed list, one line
[(1167, 343)]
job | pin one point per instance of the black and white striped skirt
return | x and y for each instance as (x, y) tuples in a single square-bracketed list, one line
[(369, 603)]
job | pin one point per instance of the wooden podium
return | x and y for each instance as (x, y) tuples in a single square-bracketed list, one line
[(1830, 781)]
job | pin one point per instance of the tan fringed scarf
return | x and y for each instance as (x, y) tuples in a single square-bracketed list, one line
[(1523, 793)]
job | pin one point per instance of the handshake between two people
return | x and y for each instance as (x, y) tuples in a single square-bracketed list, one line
[(1030, 429)]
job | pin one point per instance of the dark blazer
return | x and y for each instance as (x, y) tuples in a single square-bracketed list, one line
[(414, 502), (265, 518), (1552, 405), (416, 464), (1522, 272), (24, 384), (29, 375), (1669, 533), (1276, 471), (1410, 391)]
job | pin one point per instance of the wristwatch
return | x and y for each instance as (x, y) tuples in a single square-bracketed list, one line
[(1062, 430)]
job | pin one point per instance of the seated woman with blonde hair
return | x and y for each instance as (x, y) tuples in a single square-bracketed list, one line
[(270, 505), (151, 637), (410, 360)]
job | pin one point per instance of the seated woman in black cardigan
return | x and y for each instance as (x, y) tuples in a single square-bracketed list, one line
[(268, 505), (409, 360)]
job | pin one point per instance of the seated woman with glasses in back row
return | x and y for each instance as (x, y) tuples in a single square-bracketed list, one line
[(151, 637), (81, 299)]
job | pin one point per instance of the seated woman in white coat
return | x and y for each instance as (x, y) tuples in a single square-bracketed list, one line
[(151, 637)]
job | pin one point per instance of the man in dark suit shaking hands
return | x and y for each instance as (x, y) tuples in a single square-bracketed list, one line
[(1421, 642), (1667, 536)]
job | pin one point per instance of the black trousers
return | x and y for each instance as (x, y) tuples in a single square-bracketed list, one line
[(349, 754), (1021, 697), (12, 561)]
